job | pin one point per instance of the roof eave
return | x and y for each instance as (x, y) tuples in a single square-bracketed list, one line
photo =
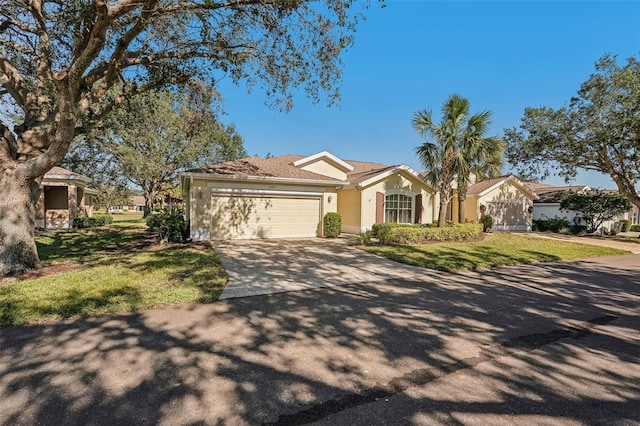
[(272, 179)]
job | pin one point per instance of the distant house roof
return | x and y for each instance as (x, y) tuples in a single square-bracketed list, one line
[(136, 200), (484, 186), (552, 193), (60, 174)]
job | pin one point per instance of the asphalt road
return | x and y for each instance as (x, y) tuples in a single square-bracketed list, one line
[(542, 344)]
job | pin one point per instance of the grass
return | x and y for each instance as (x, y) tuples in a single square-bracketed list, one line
[(495, 250), (119, 272)]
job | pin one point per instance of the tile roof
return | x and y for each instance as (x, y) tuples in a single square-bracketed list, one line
[(551, 193), (483, 185), (59, 171), (283, 167)]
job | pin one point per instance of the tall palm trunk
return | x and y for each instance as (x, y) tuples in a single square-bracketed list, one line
[(462, 198)]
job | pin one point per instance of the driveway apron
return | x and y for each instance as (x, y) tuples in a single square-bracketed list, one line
[(258, 267)]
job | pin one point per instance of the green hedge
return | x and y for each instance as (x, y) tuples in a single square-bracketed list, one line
[(634, 228), (93, 221), (332, 224), (554, 224), (391, 233), (626, 223)]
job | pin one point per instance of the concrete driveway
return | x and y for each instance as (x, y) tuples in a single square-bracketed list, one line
[(257, 267), (553, 344)]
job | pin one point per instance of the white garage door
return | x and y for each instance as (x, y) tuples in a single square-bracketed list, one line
[(264, 217)]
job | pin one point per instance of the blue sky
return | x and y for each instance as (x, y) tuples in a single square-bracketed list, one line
[(411, 55)]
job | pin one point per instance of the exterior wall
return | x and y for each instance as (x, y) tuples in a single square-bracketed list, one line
[(349, 209), (325, 168), (400, 182), (200, 209), (546, 211), (472, 208), (508, 206)]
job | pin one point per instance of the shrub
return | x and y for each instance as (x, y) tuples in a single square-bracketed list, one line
[(417, 234), (486, 221), (626, 223), (93, 221), (169, 224), (332, 224), (364, 238), (634, 228), (554, 224)]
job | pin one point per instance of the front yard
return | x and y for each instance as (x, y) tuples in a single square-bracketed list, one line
[(114, 268), (497, 249)]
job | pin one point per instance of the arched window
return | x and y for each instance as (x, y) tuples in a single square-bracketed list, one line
[(398, 208)]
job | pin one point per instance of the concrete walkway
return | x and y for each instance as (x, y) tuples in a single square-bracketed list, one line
[(259, 267)]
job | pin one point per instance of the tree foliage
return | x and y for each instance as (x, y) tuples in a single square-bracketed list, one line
[(155, 135), (598, 130), (65, 65), (457, 147), (596, 206)]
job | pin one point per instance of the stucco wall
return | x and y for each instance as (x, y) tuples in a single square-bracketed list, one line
[(322, 167), (349, 209), (508, 206), (402, 182)]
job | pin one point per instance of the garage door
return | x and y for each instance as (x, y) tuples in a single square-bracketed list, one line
[(264, 217), (507, 215)]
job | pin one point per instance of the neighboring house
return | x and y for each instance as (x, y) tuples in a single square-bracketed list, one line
[(64, 197), (548, 204), (506, 199), (287, 196), (135, 204)]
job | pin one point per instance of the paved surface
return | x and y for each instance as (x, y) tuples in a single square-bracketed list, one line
[(257, 267), (553, 344)]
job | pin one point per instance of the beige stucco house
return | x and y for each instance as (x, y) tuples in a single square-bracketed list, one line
[(64, 196), (507, 199), (287, 196)]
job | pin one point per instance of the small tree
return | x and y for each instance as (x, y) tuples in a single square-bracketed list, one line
[(596, 206)]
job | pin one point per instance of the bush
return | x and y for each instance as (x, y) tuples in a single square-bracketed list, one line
[(486, 221), (626, 223), (93, 221), (634, 228), (169, 224), (364, 238), (390, 233), (332, 224), (553, 225)]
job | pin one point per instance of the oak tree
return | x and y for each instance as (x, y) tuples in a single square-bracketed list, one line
[(62, 61), (598, 130)]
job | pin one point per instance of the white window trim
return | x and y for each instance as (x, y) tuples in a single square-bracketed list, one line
[(401, 191)]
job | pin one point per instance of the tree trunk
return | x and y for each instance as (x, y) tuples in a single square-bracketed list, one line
[(149, 197), (18, 252), (442, 214), (461, 210)]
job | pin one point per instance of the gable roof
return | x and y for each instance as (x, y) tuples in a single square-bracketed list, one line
[(485, 186), (288, 167), (551, 193), (327, 156), (59, 174)]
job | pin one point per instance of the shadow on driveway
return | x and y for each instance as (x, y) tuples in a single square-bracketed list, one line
[(550, 343)]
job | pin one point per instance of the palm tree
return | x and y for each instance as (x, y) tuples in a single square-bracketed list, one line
[(458, 149), (483, 156)]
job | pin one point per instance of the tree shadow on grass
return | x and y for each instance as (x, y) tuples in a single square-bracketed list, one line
[(326, 354)]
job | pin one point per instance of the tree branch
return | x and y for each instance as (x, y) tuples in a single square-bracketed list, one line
[(12, 81)]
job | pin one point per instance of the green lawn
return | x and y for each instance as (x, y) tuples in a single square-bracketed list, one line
[(118, 271), (496, 249)]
